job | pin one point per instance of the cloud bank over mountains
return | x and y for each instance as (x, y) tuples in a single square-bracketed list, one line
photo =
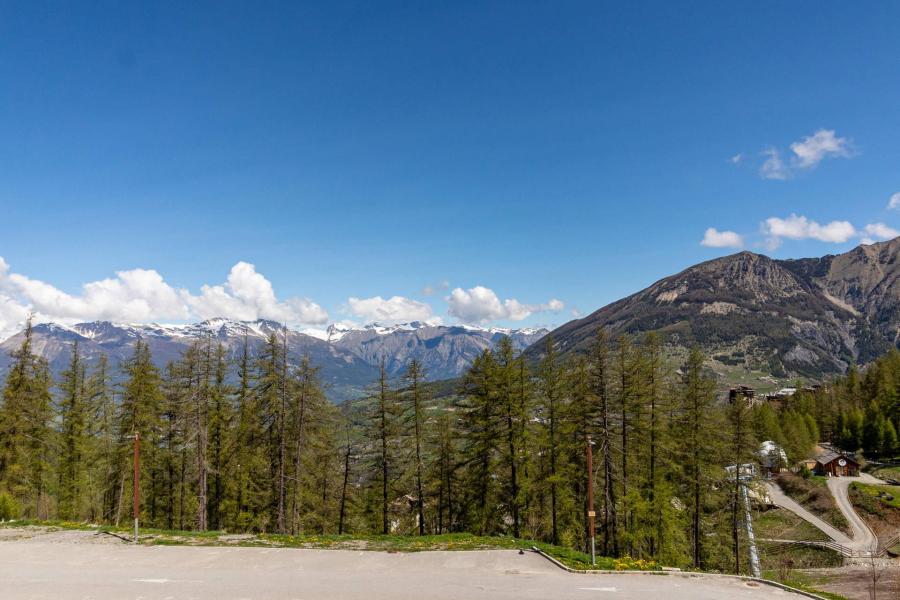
[(144, 296)]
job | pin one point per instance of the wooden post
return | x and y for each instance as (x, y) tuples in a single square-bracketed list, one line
[(590, 500), (137, 482)]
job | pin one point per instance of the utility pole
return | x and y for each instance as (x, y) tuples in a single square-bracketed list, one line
[(590, 500), (137, 482)]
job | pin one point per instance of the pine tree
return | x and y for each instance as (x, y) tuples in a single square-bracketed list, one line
[(272, 403), (72, 464), (481, 432), (220, 419), (445, 469), (600, 384), (698, 444), (384, 421), (102, 427), (139, 405), (551, 396), (249, 446), (626, 402), (740, 449), (25, 434), (415, 375), (655, 429), (512, 399)]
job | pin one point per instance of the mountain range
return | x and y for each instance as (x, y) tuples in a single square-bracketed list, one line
[(348, 358), (757, 317)]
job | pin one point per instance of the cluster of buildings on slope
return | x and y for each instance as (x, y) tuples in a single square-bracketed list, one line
[(827, 459), (748, 394)]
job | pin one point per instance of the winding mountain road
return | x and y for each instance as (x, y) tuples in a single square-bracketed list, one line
[(863, 539), (779, 498)]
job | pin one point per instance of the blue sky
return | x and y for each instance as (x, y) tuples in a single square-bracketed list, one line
[(570, 151)]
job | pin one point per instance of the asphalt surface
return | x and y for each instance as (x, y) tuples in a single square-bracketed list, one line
[(779, 498), (863, 537), (37, 570)]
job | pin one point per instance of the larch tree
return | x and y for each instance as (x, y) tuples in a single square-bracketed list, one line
[(139, 403), (600, 388), (74, 439), (415, 395), (25, 433), (551, 398), (699, 445)]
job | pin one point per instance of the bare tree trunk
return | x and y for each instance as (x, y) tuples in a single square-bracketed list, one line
[(343, 511)]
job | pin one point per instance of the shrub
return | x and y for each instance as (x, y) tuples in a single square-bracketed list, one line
[(9, 508)]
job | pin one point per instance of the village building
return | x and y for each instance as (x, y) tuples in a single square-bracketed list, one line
[(745, 393), (836, 464)]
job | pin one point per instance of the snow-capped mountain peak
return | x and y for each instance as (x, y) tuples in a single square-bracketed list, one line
[(349, 354)]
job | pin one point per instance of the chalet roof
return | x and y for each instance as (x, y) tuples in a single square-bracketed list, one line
[(832, 455)]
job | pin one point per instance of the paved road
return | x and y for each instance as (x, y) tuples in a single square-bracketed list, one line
[(779, 498), (863, 537), (36, 570)]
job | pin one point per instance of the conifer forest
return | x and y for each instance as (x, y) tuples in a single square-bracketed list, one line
[(251, 444)]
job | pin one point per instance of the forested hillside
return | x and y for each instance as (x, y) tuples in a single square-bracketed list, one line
[(505, 455)]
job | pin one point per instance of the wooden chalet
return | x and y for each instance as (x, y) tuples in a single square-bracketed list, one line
[(837, 464)]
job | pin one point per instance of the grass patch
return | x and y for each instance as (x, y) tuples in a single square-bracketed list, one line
[(879, 506), (886, 494), (782, 524)]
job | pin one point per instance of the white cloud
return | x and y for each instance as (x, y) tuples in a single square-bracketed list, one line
[(894, 202), (713, 238), (805, 154), (836, 232), (800, 228), (12, 312), (142, 295), (396, 309), (814, 148), (481, 305), (135, 295), (248, 295), (737, 158), (880, 231), (773, 167)]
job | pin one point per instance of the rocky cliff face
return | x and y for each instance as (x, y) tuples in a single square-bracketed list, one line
[(809, 317)]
